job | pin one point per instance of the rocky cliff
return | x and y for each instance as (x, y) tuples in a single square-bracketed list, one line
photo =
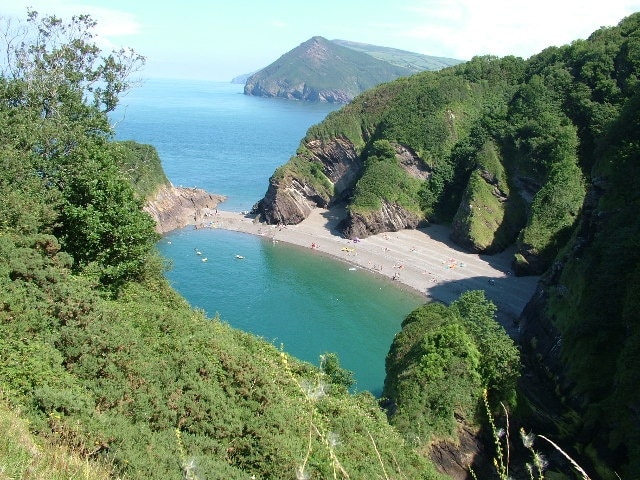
[(321, 71), (176, 207), (291, 197)]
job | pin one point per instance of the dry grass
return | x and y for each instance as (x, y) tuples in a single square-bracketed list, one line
[(24, 456)]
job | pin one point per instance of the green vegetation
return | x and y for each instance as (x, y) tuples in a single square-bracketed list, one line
[(108, 372), (384, 179), (440, 364), (489, 215), (541, 153), (104, 368), (544, 119), (416, 62), (322, 70), (23, 455), (141, 165)]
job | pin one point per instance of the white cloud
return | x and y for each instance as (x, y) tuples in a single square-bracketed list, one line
[(110, 23), (464, 28), (279, 24)]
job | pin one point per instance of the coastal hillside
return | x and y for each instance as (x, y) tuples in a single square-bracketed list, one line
[(416, 62), (105, 371), (320, 70), (538, 154)]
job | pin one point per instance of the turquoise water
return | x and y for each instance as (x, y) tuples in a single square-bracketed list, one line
[(212, 136)]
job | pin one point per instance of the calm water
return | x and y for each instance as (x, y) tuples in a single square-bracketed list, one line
[(212, 136)]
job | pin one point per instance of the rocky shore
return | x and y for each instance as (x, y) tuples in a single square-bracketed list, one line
[(178, 207), (424, 260)]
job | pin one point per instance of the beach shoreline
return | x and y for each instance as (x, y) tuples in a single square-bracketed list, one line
[(424, 260)]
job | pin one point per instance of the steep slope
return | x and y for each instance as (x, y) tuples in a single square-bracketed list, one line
[(581, 332), (99, 356), (402, 153), (320, 70), (542, 154)]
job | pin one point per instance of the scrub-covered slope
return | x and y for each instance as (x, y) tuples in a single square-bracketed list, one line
[(500, 148), (99, 356)]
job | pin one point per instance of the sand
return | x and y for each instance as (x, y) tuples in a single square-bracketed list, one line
[(424, 260)]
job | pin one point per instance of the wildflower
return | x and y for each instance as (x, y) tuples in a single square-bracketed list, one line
[(333, 439), (540, 461), (527, 438), (314, 391)]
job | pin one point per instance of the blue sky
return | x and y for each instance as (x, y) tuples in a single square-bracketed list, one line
[(217, 40)]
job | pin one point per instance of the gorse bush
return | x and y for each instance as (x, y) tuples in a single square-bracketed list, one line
[(106, 361), (442, 361)]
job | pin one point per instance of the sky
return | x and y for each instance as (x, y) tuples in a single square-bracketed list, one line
[(220, 39)]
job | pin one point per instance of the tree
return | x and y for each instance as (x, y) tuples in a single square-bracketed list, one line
[(57, 88), (58, 61), (500, 359)]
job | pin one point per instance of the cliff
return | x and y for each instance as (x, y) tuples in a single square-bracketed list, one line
[(541, 155), (176, 207), (322, 71)]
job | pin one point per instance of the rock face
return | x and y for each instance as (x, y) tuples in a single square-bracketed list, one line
[(174, 207), (290, 199), (390, 218)]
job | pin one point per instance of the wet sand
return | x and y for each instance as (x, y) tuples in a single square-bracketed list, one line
[(424, 260)]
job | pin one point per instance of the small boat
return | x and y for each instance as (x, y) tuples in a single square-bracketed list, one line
[(239, 257)]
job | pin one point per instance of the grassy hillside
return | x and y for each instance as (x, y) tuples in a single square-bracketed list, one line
[(322, 70), (416, 62), (105, 371)]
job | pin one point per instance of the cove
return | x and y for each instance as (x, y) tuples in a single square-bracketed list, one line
[(210, 135), (307, 303)]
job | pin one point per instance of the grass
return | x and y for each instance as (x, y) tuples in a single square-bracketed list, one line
[(23, 456)]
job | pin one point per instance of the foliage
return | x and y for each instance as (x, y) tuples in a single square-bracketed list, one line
[(595, 299), (338, 376), (554, 211), (441, 362), (23, 455), (103, 358), (384, 179), (490, 215), (102, 222), (141, 165)]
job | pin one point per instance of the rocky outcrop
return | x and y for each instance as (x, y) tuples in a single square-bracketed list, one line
[(456, 458), (288, 202), (290, 198), (390, 218), (299, 91), (341, 162), (174, 207), (322, 71)]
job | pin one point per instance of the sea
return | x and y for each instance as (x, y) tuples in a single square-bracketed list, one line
[(212, 136)]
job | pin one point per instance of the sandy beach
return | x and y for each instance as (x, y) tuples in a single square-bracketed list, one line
[(424, 260)]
